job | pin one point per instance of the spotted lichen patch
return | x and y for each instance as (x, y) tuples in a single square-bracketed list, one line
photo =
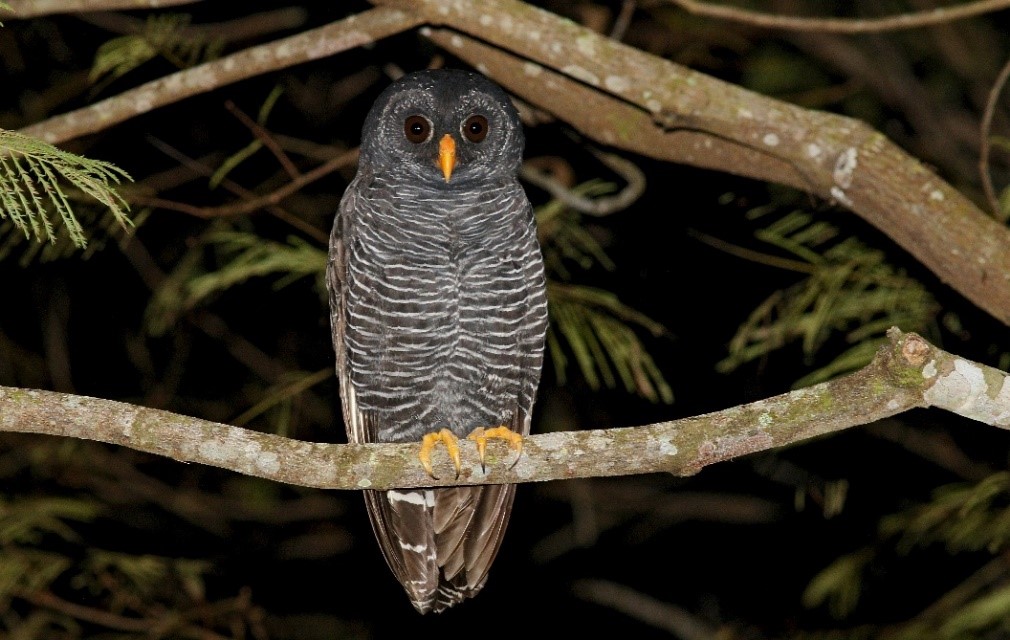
[(845, 167), (958, 389), (617, 84), (839, 195), (582, 74), (733, 446), (532, 69)]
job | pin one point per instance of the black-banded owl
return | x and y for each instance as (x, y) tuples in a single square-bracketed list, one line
[(439, 313)]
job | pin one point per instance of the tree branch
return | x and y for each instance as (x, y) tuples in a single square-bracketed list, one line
[(624, 97), (906, 373), (355, 31), (635, 101), (914, 20), (33, 8)]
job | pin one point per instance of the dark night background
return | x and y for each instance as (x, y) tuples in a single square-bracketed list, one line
[(731, 549)]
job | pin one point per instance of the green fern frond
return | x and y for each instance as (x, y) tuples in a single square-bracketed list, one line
[(596, 327), (563, 237), (144, 575), (240, 255), (839, 585), (23, 569), (990, 612), (104, 226), (852, 290), (247, 255), (30, 175), (163, 35), (590, 324), (26, 521), (963, 517)]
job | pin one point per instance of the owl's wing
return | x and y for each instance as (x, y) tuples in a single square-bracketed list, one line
[(439, 543), (336, 283)]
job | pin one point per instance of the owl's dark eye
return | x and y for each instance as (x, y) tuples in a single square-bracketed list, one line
[(475, 128), (417, 129)]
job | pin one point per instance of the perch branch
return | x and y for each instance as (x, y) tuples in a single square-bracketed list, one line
[(907, 372), (632, 100)]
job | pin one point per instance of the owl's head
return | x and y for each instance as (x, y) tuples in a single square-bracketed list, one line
[(443, 126)]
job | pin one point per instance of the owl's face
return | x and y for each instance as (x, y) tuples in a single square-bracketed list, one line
[(457, 131)]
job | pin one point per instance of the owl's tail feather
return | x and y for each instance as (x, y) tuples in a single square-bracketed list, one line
[(440, 543)]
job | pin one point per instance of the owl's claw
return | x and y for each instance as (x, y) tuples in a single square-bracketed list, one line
[(480, 435), (430, 441)]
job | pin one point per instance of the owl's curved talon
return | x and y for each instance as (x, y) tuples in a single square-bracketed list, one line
[(480, 435), (428, 444)]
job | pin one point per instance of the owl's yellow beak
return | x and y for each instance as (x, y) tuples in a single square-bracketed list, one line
[(447, 155)]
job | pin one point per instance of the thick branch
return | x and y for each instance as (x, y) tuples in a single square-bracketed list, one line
[(355, 31), (632, 100), (907, 373), (33, 8)]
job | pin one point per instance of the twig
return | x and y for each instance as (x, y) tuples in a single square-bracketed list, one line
[(264, 136), (912, 20), (87, 614), (597, 207), (675, 620), (986, 127), (357, 30), (271, 201), (907, 372), (32, 8), (276, 196)]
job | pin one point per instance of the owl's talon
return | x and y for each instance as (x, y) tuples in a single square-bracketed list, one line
[(428, 444), (480, 435)]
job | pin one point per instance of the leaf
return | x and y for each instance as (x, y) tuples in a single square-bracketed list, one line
[(30, 174), (851, 292), (597, 329), (839, 584), (164, 35), (240, 256)]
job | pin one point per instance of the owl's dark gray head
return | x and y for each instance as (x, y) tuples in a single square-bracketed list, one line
[(448, 127)]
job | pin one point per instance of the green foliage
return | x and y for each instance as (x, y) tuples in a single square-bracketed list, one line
[(30, 175), (163, 35), (239, 256), (963, 517), (105, 227), (839, 584), (24, 525), (595, 326), (850, 289), (138, 595), (27, 521)]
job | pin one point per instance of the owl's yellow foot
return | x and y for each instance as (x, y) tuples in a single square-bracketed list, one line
[(428, 444), (480, 435)]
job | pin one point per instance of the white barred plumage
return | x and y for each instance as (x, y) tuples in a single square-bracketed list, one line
[(438, 311)]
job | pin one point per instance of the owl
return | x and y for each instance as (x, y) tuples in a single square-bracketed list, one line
[(438, 313)]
